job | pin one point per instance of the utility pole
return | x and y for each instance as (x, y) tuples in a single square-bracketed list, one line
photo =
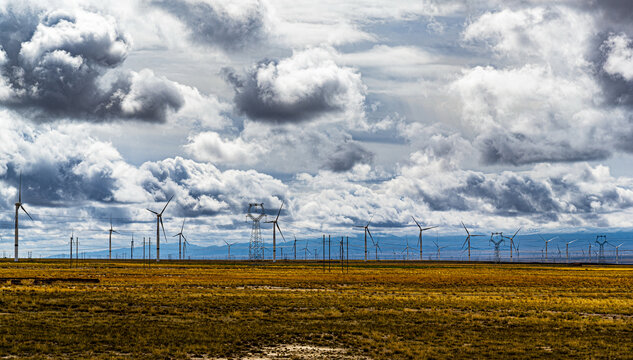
[(340, 252), (143, 248), (132, 249), (347, 252), (71, 249), (329, 253), (323, 253), (76, 250)]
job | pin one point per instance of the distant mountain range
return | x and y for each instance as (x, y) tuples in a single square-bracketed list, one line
[(531, 248)]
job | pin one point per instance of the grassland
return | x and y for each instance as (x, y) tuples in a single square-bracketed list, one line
[(376, 311)]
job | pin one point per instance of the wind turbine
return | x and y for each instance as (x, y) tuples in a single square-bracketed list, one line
[(180, 237), (110, 239), (275, 228), (420, 234), (306, 251), (376, 246), (437, 246), (18, 206), (467, 241), (72, 238), (366, 227), (407, 249), (511, 238), (617, 253), (547, 242), (229, 246), (567, 249), (159, 224)]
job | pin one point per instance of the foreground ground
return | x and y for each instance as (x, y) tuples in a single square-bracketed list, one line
[(296, 311)]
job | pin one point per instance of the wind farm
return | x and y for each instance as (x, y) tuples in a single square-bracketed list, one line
[(211, 275), (453, 177)]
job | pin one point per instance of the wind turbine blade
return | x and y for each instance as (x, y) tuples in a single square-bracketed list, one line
[(416, 222), (372, 238), (227, 244), (163, 226), (372, 216), (357, 226), (168, 201), (542, 238), (467, 232), (515, 234), (279, 212), (280, 233), (183, 226), (176, 235), (152, 211), (186, 239), (29, 215), (114, 231), (20, 191), (465, 242), (429, 228)]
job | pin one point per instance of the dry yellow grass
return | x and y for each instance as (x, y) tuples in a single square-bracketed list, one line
[(380, 311)]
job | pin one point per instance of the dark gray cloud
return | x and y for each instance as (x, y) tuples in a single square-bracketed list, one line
[(519, 149), (58, 65), (347, 156), (511, 195), (525, 195), (305, 86), (55, 184), (259, 102), (212, 25)]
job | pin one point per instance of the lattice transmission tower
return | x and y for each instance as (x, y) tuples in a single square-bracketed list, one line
[(256, 247)]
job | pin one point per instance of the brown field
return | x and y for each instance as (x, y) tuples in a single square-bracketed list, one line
[(293, 310)]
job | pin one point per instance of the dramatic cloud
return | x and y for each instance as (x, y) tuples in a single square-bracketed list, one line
[(347, 156), (305, 86), (59, 64), (228, 26)]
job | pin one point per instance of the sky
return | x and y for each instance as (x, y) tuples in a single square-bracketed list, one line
[(498, 114)]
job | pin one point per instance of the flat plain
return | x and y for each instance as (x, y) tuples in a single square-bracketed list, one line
[(295, 310)]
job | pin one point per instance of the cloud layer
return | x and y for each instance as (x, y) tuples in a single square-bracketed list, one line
[(306, 86), (62, 64)]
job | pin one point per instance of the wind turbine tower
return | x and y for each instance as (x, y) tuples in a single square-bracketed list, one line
[(180, 237), (420, 235), (467, 241), (229, 246), (567, 250), (275, 228), (617, 253), (18, 206), (256, 246), (546, 244), (159, 224), (110, 239), (366, 228), (511, 238)]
